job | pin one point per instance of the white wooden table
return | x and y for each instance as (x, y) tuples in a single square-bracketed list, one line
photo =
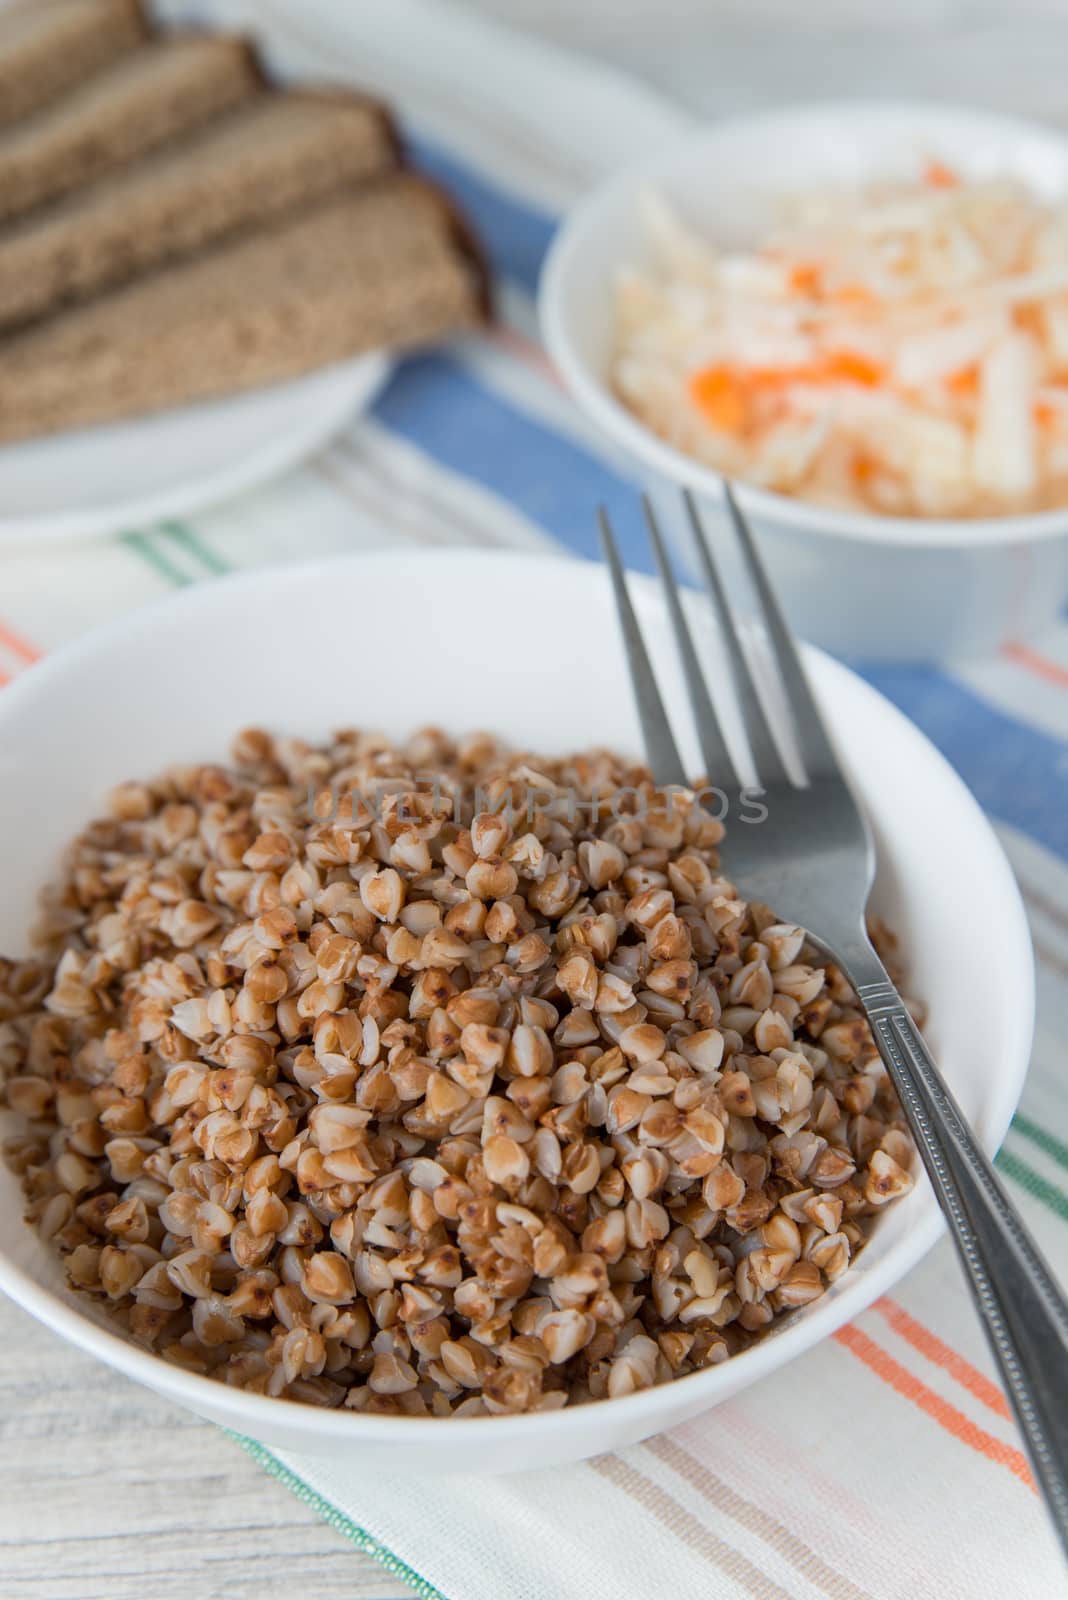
[(107, 1493)]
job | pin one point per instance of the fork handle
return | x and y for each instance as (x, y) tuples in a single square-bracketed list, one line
[(1022, 1309)]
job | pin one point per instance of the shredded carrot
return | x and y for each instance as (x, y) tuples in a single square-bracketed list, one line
[(719, 396), (805, 278), (854, 294), (938, 176), (864, 468), (779, 377), (963, 383), (849, 365), (723, 393), (853, 367), (1045, 414)]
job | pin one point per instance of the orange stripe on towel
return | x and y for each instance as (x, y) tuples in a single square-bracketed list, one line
[(1042, 667), (525, 350), (17, 644), (954, 1422), (943, 1355)]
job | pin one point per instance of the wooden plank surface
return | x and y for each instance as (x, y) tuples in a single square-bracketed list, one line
[(109, 1493)]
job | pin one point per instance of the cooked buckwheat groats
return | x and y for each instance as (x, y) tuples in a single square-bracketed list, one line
[(437, 1080)]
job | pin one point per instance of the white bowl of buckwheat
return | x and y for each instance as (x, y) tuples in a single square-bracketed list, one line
[(435, 1099)]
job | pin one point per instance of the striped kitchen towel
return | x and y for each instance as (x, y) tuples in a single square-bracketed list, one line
[(884, 1464)]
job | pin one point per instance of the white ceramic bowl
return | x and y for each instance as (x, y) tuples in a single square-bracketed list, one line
[(861, 585), (526, 646)]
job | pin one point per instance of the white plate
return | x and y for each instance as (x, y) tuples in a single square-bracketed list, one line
[(96, 481), (112, 706)]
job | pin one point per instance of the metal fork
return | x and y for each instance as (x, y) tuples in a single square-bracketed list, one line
[(812, 860)]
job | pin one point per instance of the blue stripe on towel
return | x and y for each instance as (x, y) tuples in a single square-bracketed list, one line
[(1015, 771), (442, 409), (515, 235)]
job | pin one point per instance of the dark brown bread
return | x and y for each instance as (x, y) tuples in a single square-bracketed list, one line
[(152, 94), (276, 153), (380, 265), (47, 46)]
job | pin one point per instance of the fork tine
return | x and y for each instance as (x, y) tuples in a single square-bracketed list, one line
[(719, 766), (660, 748), (814, 745), (769, 763)]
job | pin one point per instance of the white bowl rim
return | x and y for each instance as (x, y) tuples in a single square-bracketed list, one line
[(855, 1292), (621, 425)]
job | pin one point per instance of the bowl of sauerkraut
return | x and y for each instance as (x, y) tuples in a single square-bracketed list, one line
[(858, 313)]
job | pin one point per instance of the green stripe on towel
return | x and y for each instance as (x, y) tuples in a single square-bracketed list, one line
[(196, 546), (1033, 1183), (1056, 1149), (143, 546), (337, 1519)]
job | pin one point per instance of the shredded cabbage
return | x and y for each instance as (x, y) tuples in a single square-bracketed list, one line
[(901, 348)]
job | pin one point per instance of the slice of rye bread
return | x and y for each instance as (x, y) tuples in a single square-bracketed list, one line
[(47, 46), (384, 264), (154, 94), (278, 152)]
